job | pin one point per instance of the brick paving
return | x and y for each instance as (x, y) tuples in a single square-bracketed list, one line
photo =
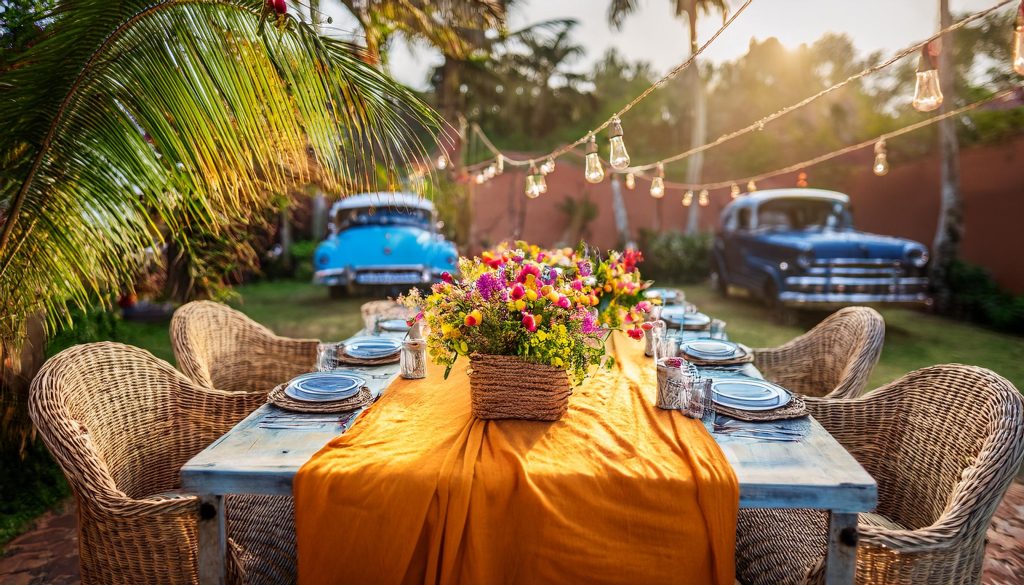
[(48, 553)]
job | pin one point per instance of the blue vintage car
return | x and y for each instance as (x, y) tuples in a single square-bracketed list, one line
[(382, 240), (798, 247)]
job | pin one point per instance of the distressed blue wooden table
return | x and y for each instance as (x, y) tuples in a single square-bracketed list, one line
[(262, 454)]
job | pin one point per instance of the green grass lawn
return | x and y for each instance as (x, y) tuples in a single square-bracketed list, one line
[(913, 339)]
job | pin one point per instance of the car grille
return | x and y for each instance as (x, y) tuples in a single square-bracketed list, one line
[(389, 277), (859, 276)]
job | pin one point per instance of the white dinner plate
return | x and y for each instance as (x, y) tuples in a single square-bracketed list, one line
[(711, 349), (372, 347), (749, 394), (393, 325), (324, 386)]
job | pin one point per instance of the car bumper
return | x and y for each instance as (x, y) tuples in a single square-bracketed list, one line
[(376, 276), (825, 300)]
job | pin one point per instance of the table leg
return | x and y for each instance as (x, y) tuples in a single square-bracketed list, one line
[(841, 564), (212, 540)]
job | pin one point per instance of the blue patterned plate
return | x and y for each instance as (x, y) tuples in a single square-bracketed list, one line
[(324, 386)]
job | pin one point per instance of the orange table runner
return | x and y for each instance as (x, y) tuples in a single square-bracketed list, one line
[(618, 491)]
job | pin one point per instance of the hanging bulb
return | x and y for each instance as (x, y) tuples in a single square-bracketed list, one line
[(617, 157), (548, 167), (1018, 42), (751, 186), (658, 183), (630, 181), (480, 178), (927, 91), (704, 199), (441, 163), (734, 191), (687, 198), (490, 171), (532, 191), (542, 184), (594, 172), (881, 166), (801, 179)]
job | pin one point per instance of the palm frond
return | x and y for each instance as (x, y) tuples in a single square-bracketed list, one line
[(133, 112)]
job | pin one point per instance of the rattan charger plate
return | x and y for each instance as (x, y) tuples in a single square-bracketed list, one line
[(795, 408), (278, 398), (344, 359)]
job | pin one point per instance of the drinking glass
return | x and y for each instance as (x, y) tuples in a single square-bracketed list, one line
[(665, 345), (414, 359), (326, 356), (700, 405), (672, 391), (650, 335), (717, 330)]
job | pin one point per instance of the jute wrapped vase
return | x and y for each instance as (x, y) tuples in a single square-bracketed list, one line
[(507, 386)]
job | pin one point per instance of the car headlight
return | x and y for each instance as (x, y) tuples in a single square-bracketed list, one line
[(323, 259), (805, 259), (451, 260), (917, 257)]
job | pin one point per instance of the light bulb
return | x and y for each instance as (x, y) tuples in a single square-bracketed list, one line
[(801, 179), (1018, 43), (594, 172), (927, 90), (658, 187), (532, 190), (480, 178), (542, 185), (703, 199), (442, 162), (617, 157), (630, 181), (687, 198), (751, 186), (881, 166), (734, 191), (490, 171), (548, 167)]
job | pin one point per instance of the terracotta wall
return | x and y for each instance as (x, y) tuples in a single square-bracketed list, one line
[(903, 203)]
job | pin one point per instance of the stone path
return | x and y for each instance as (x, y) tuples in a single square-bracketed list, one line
[(48, 553)]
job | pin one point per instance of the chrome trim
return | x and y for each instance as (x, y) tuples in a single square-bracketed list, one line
[(804, 299), (858, 261), (846, 281)]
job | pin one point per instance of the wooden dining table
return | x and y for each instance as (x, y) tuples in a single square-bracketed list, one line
[(262, 454)]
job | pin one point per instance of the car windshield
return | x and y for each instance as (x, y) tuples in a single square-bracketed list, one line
[(802, 214), (383, 216)]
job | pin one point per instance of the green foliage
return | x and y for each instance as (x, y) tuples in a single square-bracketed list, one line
[(302, 254), (31, 483), (976, 296), (676, 257)]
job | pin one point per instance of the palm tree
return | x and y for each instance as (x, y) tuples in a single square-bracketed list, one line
[(136, 113), (949, 232), (618, 10), (544, 57)]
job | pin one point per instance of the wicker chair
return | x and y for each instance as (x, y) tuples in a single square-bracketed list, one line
[(833, 360), (121, 423), (219, 347), (379, 310), (944, 444)]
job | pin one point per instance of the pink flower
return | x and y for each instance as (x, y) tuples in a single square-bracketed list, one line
[(563, 301), (647, 326), (530, 322), (644, 306), (577, 284), (446, 276), (518, 292), (635, 333)]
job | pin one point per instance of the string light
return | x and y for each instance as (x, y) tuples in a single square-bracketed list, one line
[(548, 167), (704, 199), (542, 183), (1018, 41), (927, 90), (499, 163), (618, 158), (630, 181), (480, 178), (881, 166), (442, 162), (594, 172), (801, 179), (658, 184), (687, 198), (734, 191), (751, 186), (533, 189), (490, 171)]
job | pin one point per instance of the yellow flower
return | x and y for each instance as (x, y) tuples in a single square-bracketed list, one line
[(521, 304), (531, 294)]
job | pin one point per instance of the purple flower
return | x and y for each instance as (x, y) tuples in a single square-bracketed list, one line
[(589, 325), (488, 285), (585, 268)]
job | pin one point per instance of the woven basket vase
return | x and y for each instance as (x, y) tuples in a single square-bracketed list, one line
[(506, 386)]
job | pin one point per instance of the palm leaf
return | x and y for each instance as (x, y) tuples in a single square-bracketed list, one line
[(131, 112)]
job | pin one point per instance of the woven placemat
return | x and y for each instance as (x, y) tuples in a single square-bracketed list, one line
[(343, 358), (278, 398), (743, 359), (795, 408)]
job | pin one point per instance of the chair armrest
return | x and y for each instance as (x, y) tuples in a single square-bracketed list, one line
[(210, 412)]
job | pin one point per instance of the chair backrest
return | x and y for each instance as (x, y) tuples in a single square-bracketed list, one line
[(219, 347), (379, 310), (834, 359), (109, 413)]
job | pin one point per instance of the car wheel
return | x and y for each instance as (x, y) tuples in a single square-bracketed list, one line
[(337, 291), (718, 283)]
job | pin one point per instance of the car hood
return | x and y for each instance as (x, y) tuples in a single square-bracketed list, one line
[(842, 243), (379, 245)]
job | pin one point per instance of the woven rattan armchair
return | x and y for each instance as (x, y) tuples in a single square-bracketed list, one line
[(120, 424), (944, 444), (219, 347), (380, 310), (833, 360)]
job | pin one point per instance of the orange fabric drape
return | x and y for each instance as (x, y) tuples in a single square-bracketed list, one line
[(618, 491)]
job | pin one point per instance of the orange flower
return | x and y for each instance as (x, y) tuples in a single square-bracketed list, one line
[(474, 318)]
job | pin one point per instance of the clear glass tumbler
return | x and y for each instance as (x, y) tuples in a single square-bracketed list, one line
[(326, 357), (717, 330), (413, 359)]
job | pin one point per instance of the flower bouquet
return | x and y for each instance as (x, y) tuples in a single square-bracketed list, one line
[(530, 331)]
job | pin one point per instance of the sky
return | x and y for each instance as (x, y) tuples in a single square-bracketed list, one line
[(653, 34)]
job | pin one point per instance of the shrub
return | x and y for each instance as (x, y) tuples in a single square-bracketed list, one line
[(676, 257), (976, 296)]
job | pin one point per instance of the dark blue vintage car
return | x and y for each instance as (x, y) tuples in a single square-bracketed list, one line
[(387, 240), (798, 247)]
